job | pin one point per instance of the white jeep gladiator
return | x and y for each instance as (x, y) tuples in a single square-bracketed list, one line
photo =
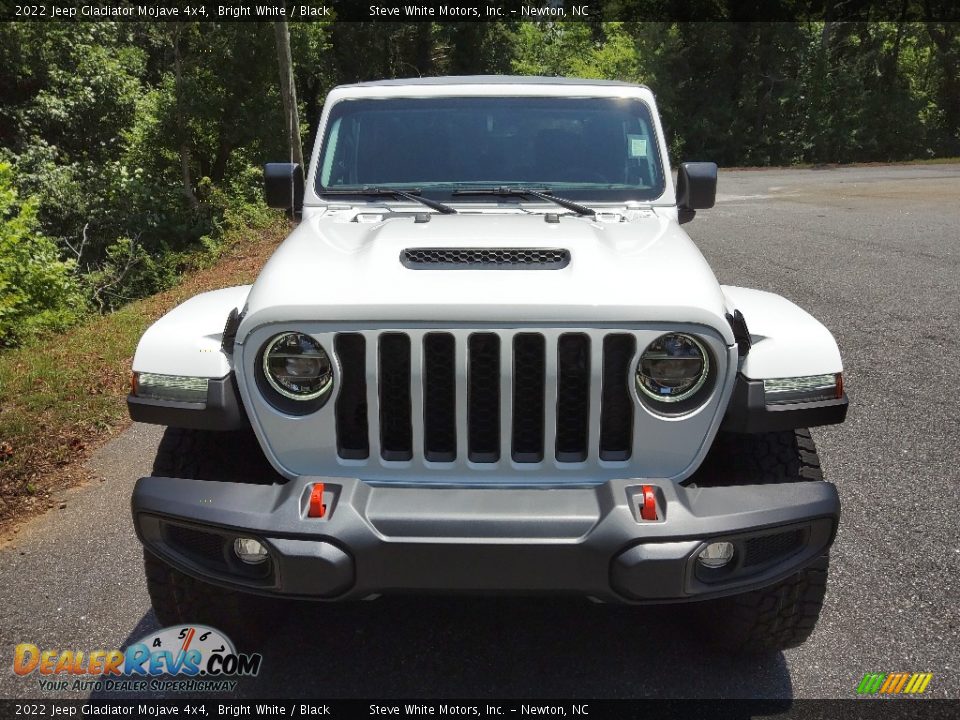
[(489, 359)]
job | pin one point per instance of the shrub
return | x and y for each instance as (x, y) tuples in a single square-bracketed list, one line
[(38, 291)]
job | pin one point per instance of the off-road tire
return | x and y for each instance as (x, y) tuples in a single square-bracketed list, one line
[(783, 615), (178, 598), (211, 455), (774, 618), (759, 459)]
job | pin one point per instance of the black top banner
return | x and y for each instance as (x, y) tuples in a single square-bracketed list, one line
[(481, 10)]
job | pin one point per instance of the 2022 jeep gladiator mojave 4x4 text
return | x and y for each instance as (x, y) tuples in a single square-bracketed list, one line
[(489, 359)]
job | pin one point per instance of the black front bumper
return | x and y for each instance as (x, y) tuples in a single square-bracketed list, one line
[(589, 541)]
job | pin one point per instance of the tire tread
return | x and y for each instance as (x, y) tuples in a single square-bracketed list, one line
[(783, 615)]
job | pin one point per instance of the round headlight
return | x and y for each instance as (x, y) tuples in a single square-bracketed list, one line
[(673, 368), (297, 367)]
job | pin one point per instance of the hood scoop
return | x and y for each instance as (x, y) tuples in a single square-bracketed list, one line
[(461, 258)]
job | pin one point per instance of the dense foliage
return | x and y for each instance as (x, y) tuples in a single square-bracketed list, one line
[(130, 149), (37, 290)]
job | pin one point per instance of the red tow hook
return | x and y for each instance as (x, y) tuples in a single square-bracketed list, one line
[(317, 509), (648, 510)]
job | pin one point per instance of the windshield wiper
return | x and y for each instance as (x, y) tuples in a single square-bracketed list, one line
[(540, 194), (411, 194)]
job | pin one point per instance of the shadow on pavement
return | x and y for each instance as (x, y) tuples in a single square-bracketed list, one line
[(437, 647)]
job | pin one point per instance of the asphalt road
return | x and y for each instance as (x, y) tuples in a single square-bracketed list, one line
[(872, 252)]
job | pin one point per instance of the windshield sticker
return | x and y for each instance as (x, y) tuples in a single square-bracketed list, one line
[(638, 145)]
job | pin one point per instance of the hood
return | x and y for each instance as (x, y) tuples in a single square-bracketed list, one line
[(335, 268)]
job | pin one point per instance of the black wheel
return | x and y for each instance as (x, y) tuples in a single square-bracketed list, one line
[(783, 615), (178, 598)]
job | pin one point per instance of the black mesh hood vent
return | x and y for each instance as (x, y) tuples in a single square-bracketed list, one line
[(485, 258)]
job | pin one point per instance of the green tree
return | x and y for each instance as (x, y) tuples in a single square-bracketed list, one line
[(38, 291)]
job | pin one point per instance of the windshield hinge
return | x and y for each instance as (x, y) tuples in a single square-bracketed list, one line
[(740, 332)]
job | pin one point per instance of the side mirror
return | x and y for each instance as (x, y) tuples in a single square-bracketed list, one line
[(696, 188), (283, 186)]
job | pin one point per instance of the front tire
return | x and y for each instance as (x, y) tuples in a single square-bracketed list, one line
[(230, 456), (783, 615), (774, 618), (178, 598)]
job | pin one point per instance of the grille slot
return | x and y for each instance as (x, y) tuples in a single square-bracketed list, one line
[(616, 416), (396, 431), (529, 383), (483, 398), (353, 442), (763, 549), (439, 398), (485, 258), (573, 397), (203, 546)]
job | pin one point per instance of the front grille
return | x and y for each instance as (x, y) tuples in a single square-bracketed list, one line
[(396, 431), (203, 546), (763, 549), (529, 383), (486, 397), (352, 440), (616, 421), (439, 398), (485, 258), (483, 398), (573, 397)]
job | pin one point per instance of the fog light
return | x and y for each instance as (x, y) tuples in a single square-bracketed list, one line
[(716, 555), (249, 550)]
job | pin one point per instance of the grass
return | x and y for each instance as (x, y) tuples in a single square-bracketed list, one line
[(932, 161), (63, 396)]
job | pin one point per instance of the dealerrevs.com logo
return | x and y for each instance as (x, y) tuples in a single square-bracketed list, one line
[(187, 658), (898, 683)]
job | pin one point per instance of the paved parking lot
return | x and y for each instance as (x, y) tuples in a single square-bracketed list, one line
[(872, 252)]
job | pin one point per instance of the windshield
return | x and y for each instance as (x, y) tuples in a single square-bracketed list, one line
[(602, 149)]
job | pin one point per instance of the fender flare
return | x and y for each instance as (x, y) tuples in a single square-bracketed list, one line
[(785, 341), (188, 341)]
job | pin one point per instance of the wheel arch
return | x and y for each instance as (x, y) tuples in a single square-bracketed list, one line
[(786, 340)]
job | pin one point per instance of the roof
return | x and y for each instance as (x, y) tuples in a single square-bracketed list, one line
[(492, 80)]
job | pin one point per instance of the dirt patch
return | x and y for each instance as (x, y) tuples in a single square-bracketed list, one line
[(918, 192)]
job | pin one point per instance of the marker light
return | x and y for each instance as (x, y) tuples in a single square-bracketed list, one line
[(176, 388), (809, 388)]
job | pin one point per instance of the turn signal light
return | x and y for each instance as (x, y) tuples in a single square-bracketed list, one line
[(317, 509)]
